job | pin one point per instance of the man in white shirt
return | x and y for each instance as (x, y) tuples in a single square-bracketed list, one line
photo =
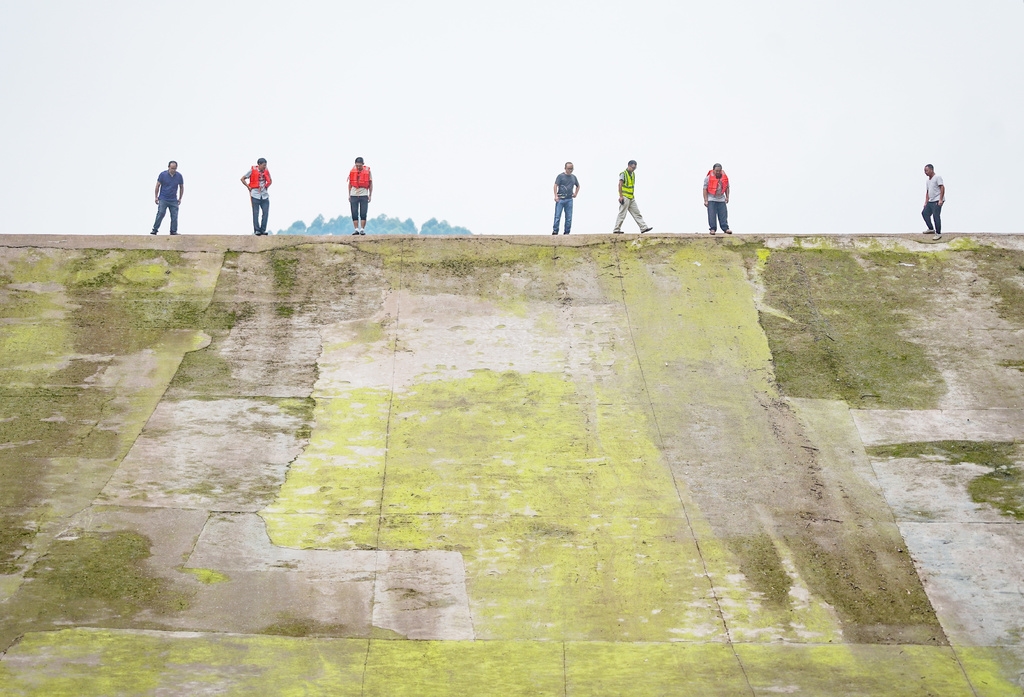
[(934, 197)]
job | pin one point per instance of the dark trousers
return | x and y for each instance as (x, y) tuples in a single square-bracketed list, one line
[(563, 204), (260, 204), (161, 209), (932, 210), (718, 213), (359, 206)]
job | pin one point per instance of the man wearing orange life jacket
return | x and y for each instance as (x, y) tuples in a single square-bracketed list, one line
[(257, 180), (716, 198), (360, 191)]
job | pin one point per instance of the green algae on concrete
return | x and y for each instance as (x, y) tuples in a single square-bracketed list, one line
[(707, 367), (854, 670), (848, 311), (1002, 487), (1004, 270), (97, 576), (455, 668), (653, 670), (564, 532), (101, 663), (207, 576)]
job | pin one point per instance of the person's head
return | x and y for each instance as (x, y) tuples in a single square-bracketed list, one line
[(568, 168), (172, 166), (929, 171), (262, 163), (717, 169), (631, 165), (359, 163)]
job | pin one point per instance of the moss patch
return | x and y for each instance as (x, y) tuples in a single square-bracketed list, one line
[(1004, 269), (848, 311), (99, 574), (15, 536), (760, 563), (1002, 487), (305, 627), (208, 576)]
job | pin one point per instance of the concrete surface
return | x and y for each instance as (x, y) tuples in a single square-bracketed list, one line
[(496, 466)]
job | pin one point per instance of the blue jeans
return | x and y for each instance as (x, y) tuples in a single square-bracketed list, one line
[(563, 204), (161, 209), (718, 210), (259, 204), (933, 211)]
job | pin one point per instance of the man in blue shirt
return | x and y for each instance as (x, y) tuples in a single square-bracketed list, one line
[(170, 187), (567, 187)]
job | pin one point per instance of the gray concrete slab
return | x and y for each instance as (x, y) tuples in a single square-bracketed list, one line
[(885, 427), (974, 574), (216, 454)]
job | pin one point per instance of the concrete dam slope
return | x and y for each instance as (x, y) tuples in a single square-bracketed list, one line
[(578, 466)]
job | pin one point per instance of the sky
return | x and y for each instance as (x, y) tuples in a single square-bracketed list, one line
[(822, 113)]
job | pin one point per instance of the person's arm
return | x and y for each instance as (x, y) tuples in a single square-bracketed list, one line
[(245, 180), (942, 194), (706, 180), (577, 192), (554, 189), (369, 190), (156, 192), (727, 190), (181, 190), (621, 199)]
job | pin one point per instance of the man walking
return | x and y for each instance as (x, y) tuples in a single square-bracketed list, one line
[(170, 187), (934, 197), (716, 198), (567, 187), (627, 182), (360, 191), (257, 180)]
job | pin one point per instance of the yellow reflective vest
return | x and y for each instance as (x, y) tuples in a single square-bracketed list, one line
[(628, 181)]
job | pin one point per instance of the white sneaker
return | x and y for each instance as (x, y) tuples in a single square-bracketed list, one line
[(938, 236)]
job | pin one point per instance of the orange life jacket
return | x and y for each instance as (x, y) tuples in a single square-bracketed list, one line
[(359, 178), (254, 177), (713, 183)]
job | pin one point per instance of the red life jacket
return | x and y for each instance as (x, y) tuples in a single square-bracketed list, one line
[(254, 177), (713, 183), (359, 178)]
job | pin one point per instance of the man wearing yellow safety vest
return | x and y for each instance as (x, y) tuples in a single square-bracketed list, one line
[(627, 181)]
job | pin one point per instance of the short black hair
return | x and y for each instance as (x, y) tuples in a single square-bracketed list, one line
[(172, 162), (359, 160), (631, 162), (717, 164), (261, 161), (929, 167)]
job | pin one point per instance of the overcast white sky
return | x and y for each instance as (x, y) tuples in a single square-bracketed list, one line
[(823, 113)]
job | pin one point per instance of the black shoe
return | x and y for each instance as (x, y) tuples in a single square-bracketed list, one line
[(174, 233), (555, 232), (564, 233), (362, 232), (153, 233), (616, 232), (646, 229), (355, 232)]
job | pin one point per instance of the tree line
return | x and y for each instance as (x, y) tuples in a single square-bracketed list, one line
[(381, 225)]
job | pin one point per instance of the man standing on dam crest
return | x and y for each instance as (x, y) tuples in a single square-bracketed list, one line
[(567, 187), (627, 202), (360, 191), (934, 197), (257, 180), (170, 187), (716, 199)]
